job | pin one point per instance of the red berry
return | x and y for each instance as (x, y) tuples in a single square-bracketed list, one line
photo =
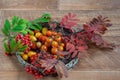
[(40, 76), (48, 70), (37, 77), (7, 54), (36, 74)]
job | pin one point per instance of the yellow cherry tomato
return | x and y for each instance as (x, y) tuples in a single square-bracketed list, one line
[(33, 38), (25, 56), (31, 53), (38, 34), (44, 31)]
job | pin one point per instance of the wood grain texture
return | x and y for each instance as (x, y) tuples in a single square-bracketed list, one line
[(89, 5), (81, 75), (28, 4), (101, 65)]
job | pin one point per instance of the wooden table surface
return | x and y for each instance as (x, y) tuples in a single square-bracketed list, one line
[(101, 65)]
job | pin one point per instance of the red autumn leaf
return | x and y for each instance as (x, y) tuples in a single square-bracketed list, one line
[(97, 39), (70, 24), (81, 48), (69, 21), (62, 53), (72, 49), (61, 69), (87, 27), (73, 15), (74, 54), (48, 63), (69, 46)]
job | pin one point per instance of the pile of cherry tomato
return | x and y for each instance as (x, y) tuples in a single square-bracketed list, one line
[(44, 40)]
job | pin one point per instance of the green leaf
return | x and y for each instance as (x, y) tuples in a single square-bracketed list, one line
[(24, 32), (4, 32), (15, 20), (46, 15), (39, 26), (34, 28), (23, 48), (44, 20), (29, 31), (12, 44), (22, 21), (18, 42), (19, 45), (18, 28), (29, 24), (7, 49), (7, 26)]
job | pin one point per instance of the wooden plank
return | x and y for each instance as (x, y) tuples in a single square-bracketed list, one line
[(89, 5), (93, 75), (29, 4), (73, 75)]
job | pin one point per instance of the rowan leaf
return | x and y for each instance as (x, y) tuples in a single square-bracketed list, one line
[(29, 31), (68, 21), (48, 63), (15, 20), (69, 46), (6, 27), (97, 39), (23, 48), (72, 49), (44, 18), (87, 28), (18, 28), (74, 54), (23, 32), (61, 69), (12, 44), (22, 21), (4, 32), (7, 49)]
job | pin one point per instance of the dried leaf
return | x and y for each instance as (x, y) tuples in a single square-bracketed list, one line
[(61, 69), (48, 63), (69, 46), (75, 53)]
